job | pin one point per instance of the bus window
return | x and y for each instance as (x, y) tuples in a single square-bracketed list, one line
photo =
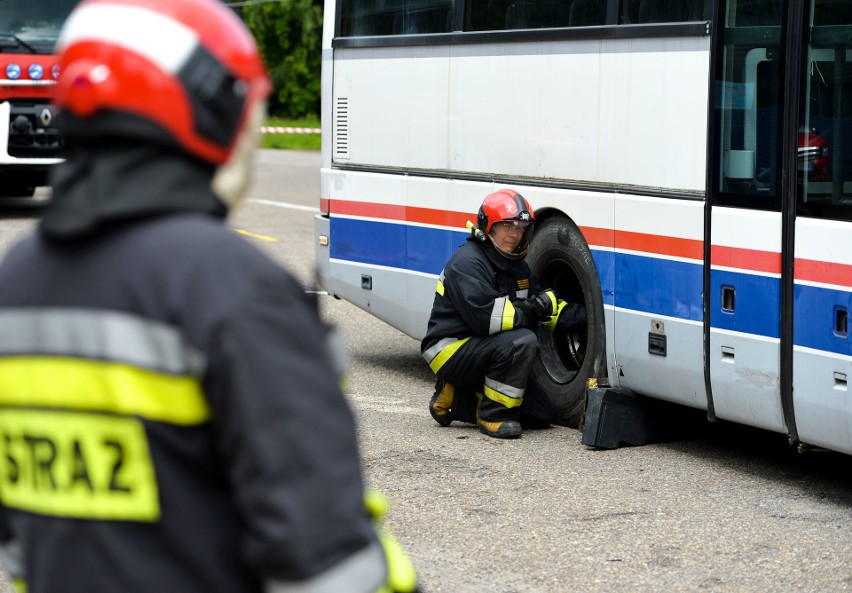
[(490, 15), (748, 107), (825, 138), (532, 14), (395, 17), (660, 11)]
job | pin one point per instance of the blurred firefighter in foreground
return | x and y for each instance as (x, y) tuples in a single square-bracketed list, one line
[(170, 411), (481, 338)]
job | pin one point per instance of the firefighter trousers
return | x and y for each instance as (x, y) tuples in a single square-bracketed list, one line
[(491, 379)]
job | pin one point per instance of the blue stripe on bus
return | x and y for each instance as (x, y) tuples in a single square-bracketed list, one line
[(817, 330), (756, 306), (634, 282), (401, 246), (659, 286)]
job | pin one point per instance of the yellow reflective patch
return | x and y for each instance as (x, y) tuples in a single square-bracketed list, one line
[(440, 288), (445, 354), (81, 384), (504, 400), (551, 323), (508, 321), (85, 466)]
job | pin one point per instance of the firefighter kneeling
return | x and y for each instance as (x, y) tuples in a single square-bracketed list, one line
[(481, 339)]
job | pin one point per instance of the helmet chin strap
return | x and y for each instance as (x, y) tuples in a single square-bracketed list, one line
[(507, 254), (233, 177)]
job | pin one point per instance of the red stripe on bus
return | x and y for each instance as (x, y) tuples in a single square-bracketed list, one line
[(812, 270), (401, 213), (659, 244), (768, 262), (599, 237)]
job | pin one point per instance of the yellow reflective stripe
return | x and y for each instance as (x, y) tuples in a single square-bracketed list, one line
[(69, 464), (552, 296), (508, 316), (503, 400), (551, 324), (502, 316), (444, 355), (101, 386), (440, 288)]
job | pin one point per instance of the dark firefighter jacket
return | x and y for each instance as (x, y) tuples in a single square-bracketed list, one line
[(169, 416), (475, 293)]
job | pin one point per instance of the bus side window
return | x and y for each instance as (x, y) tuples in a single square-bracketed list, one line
[(587, 13), (395, 17), (433, 17), (825, 132), (669, 11), (535, 14), (485, 15)]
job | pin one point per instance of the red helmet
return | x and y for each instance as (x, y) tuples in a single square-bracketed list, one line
[(185, 72), (505, 204)]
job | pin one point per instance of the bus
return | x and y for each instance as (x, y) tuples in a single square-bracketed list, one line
[(689, 162), (29, 69)]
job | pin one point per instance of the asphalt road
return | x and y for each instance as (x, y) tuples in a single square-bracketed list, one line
[(714, 508)]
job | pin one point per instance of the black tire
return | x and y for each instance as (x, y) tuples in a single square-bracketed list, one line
[(561, 260)]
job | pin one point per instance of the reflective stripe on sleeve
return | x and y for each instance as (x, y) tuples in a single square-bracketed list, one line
[(441, 351), (440, 288), (502, 316), (363, 572), (103, 335)]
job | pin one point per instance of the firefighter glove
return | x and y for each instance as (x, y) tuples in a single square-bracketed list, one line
[(572, 317), (529, 314), (401, 575), (544, 304)]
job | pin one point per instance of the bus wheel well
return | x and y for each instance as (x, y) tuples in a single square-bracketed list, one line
[(560, 259)]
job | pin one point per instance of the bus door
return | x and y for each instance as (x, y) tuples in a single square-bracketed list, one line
[(744, 278), (779, 278), (822, 289)]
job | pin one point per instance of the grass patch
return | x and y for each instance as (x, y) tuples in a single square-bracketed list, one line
[(292, 141)]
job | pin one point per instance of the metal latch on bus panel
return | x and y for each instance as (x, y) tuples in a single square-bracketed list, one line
[(657, 338)]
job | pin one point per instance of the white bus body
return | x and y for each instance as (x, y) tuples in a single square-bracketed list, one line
[(647, 137)]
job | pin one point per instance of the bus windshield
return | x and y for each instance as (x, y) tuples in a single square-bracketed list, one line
[(33, 24)]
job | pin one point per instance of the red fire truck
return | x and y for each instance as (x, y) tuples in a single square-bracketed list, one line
[(29, 141)]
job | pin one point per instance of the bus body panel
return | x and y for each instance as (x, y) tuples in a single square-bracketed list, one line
[(822, 351), (658, 259), (611, 132), (457, 108), (745, 314)]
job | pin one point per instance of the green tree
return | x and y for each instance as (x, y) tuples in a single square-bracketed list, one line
[(289, 35)]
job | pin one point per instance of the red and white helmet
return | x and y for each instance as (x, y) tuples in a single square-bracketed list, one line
[(186, 72), (504, 204), (507, 205)]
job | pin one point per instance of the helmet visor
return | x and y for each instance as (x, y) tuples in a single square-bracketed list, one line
[(523, 225)]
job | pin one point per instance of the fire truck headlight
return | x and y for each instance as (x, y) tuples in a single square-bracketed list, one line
[(13, 71), (36, 71), (55, 71)]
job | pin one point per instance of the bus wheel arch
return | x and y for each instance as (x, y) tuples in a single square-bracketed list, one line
[(560, 259)]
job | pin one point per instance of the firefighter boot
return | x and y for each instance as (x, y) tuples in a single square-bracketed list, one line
[(442, 402), (502, 425), (506, 429)]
